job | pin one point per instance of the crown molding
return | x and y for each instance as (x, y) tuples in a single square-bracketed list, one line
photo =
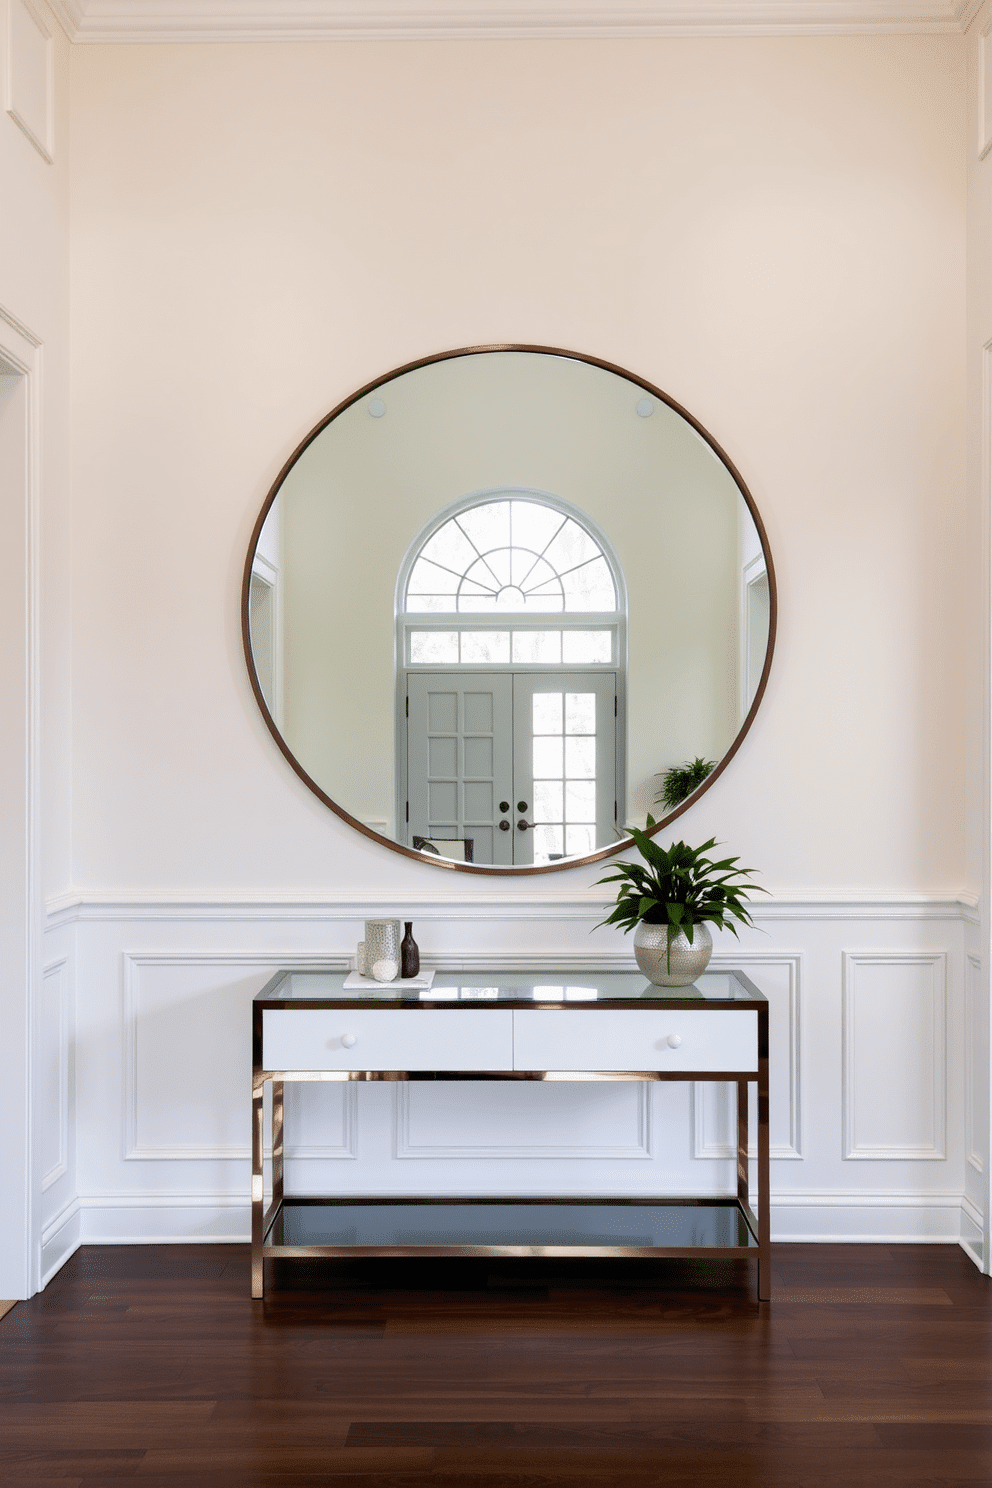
[(70, 15), (122, 21)]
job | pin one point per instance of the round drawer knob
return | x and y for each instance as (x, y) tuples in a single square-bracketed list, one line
[(674, 1039), (348, 1040)]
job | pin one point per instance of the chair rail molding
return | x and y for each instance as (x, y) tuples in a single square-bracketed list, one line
[(80, 905)]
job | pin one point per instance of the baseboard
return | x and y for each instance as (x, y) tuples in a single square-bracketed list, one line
[(164, 1219), (821, 1216), (61, 1236), (850, 1216)]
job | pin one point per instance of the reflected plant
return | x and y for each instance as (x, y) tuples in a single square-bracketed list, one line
[(681, 780)]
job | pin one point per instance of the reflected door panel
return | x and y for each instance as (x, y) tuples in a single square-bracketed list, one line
[(543, 742), (460, 761)]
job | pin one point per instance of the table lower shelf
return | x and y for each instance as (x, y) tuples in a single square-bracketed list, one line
[(309, 1226)]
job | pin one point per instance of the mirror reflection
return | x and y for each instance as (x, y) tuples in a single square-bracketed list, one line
[(492, 599)]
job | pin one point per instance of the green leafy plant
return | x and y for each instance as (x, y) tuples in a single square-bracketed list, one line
[(680, 888), (681, 780)]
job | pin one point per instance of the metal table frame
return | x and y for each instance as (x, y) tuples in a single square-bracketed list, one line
[(263, 1217)]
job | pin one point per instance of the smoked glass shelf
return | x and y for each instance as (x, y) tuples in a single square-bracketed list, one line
[(507, 1227)]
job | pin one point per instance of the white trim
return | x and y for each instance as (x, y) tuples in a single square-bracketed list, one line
[(320, 20), (812, 1215), (60, 1238), (69, 15), (46, 146), (853, 1149), (641, 1147), (972, 992), (984, 62), (848, 1216), (22, 352), (580, 904), (61, 1166)]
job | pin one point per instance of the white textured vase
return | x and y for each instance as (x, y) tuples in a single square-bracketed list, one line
[(686, 961), (382, 949)]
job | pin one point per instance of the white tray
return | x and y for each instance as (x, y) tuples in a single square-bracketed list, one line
[(422, 981)]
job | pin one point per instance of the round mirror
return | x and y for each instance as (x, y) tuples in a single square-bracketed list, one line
[(503, 603)]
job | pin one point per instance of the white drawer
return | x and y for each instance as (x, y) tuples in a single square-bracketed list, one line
[(721, 1039), (387, 1039)]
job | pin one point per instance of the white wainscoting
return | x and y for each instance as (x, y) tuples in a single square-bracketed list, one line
[(873, 1006), (895, 1040), (975, 1059), (714, 1107), (54, 1072)]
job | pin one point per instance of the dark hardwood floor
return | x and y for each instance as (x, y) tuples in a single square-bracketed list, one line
[(871, 1365)]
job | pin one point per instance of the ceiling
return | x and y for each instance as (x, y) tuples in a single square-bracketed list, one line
[(309, 20)]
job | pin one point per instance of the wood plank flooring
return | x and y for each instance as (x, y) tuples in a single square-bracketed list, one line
[(151, 1365)]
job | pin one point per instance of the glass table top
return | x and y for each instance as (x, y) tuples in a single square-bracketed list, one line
[(516, 987)]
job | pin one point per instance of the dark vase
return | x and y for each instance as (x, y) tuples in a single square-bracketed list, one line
[(409, 953)]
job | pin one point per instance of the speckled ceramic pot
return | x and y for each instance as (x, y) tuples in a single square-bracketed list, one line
[(686, 963)]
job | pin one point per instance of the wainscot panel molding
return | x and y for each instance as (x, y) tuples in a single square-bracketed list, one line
[(159, 1028), (894, 1055), (314, 20), (974, 1052), (162, 1088), (456, 1104), (714, 1106), (54, 1075)]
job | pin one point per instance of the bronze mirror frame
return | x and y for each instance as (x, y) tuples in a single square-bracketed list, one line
[(623, 843)]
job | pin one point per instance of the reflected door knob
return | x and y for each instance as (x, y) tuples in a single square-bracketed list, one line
[(348, 1040), (524, 826), (504, 825), (674, 1039)]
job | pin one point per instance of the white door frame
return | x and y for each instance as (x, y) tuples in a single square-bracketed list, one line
[(20, 884)]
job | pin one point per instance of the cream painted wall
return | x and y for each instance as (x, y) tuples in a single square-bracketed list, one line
[(770, 229)]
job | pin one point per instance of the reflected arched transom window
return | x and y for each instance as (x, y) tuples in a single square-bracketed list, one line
[(513, 555)]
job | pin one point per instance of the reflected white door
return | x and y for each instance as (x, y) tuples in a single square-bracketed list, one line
[(460, 761), (535, 751), (564, 757)]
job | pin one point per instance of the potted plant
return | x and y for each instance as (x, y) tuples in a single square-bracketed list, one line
[(671, 903)]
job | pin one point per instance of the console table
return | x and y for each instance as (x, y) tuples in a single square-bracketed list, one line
[(510, 1026)]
